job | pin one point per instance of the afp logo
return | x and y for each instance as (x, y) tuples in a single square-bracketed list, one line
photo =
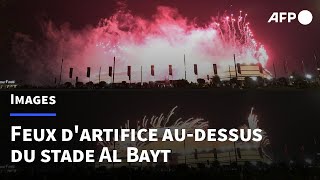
[(304, 17)]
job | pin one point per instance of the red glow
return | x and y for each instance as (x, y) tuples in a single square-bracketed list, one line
[(136, 42)]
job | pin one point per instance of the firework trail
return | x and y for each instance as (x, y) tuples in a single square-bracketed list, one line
[(136, 41), (157, 122), (253, 124)]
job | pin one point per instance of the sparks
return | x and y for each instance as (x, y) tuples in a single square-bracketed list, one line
[(136, 42)]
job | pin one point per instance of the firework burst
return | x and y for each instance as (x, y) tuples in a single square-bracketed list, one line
[(157, 122), (265, 142), (135, 41), (167, 122)]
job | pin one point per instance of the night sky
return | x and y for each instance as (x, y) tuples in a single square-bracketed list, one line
[(293, 42)]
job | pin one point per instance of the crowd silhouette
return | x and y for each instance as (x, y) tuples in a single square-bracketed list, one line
[(214, 82), (214, 171)]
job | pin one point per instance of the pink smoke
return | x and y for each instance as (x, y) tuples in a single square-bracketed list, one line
[(136, 42)]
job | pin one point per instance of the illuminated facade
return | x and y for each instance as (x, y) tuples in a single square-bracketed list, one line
[(246, 70), (202, 153)]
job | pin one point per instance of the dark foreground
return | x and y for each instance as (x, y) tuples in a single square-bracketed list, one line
[(220, 172)]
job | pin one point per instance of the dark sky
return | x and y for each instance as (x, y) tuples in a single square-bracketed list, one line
[(293, 42)]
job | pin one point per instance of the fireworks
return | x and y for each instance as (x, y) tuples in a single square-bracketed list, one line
[(167, 122), (265, 142), (158, 122), (136, 41)]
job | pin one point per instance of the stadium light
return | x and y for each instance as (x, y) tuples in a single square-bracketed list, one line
[(309, 161), (308, 76), (291, 162), (254, 78)]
